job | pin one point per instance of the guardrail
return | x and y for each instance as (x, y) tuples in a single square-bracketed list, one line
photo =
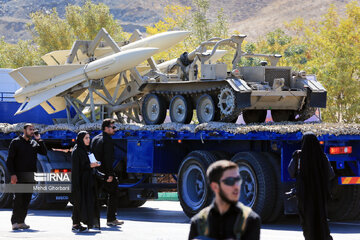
[(7, 97)]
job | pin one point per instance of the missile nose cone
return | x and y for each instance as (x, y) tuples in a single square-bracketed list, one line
[(162, 41), (173, 36)]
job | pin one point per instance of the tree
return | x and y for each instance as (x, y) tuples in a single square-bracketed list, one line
[(24, 53), (86, 21), (196, 22), (334, 46), (51, 33), (294, 52)]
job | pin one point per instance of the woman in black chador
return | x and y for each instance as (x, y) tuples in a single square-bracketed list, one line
[(84, 194), (313, 172)]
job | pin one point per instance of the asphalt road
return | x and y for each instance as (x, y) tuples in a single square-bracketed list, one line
[(154, 220)]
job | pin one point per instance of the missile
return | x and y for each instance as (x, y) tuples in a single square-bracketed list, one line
[(162, 41), (41, 83), (164, 67)]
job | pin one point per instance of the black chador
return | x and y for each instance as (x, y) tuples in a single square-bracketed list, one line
[(313, 173), (84, 193)]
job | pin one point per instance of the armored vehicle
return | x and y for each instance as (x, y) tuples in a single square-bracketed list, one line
[(221, 95)]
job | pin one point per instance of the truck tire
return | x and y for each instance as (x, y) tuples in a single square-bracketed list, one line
[(5, 198), (221, 155), (153, 109), (137, 203), (258, 189), (345, 202), (279, 203), (125, 202), (39, 200), (180, 109), (193, 191)]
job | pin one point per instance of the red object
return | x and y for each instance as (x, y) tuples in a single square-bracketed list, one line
[(340, 150)]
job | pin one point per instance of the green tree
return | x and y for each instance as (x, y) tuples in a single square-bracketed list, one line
[(24, 53), (50, 32), (86, 21), (196, 22), (333, 54), (293, 51)]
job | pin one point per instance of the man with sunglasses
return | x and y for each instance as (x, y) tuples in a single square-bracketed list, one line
[(226, 217), (103, 148)]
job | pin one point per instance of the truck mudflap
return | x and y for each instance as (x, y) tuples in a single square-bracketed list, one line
[(317, 92), (349, 180)]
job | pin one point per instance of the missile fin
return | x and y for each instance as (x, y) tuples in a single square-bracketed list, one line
[(35, 100), (30, 75), (56, 57), (53, 105)]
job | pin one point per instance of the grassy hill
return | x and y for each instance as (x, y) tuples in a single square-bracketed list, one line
[(251, 17)]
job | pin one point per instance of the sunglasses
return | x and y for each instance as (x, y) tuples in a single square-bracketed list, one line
[(231, 181), (113, 127)]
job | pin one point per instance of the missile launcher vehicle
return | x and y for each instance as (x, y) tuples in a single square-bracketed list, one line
[(102, 78), (217, 94)]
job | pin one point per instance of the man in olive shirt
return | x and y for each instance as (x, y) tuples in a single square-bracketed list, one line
[(21, 163), (226, 217)]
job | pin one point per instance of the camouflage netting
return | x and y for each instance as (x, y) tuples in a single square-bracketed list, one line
[(285, 127)]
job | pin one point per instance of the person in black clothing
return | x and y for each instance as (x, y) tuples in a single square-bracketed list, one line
[(226, 217), (103, 148), (84, 192), (21, 163), (313, 173)]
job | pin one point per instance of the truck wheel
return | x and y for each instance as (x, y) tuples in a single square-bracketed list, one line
[(124, 202), (39, 200), (180, 110), (193, 190), (258, 189), (137, 203), (153, 109), (254, 116), (279, 202), (345, 202), (5, 198), (206, 110), (221, 155)]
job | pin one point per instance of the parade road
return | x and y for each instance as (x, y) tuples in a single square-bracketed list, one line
[(154, 220)]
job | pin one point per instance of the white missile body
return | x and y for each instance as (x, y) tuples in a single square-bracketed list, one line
[(164, 67), (40, 83), (162, 41)]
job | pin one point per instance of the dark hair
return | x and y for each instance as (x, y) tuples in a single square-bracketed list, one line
[(216, 170), (106, 123), (28, 125)]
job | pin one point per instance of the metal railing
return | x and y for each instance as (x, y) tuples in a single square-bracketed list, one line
[(7, 97)]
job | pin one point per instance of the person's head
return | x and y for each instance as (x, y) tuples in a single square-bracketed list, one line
[(108, 126), (309, 140), (225, 180), (83, 139), (29, 130), (312, 155)]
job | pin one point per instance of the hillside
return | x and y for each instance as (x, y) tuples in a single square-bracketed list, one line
[(251, 17)]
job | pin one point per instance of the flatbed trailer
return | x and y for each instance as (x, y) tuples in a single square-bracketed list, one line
[(263, 152)]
